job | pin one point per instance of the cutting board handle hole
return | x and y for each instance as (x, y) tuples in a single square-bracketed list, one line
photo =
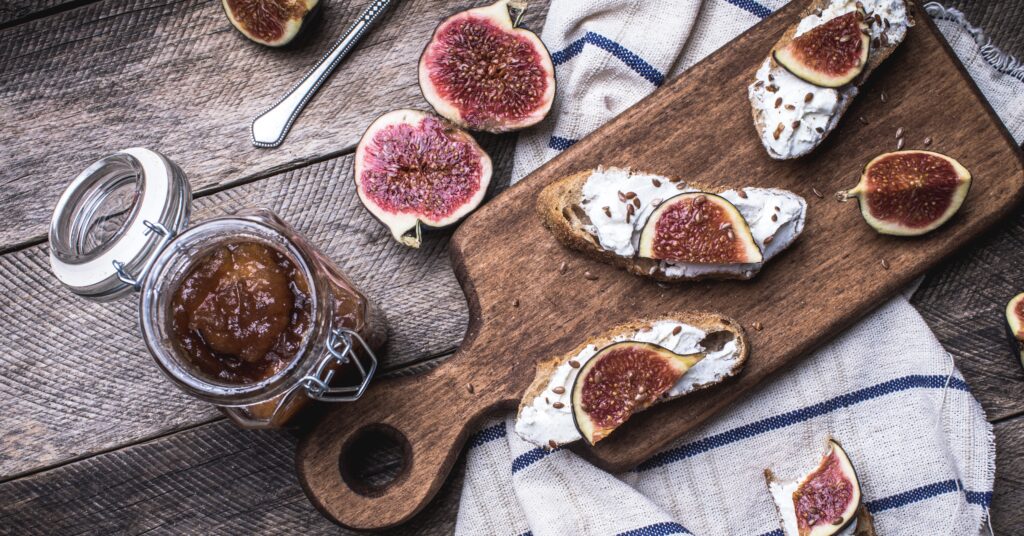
[(373, 458)]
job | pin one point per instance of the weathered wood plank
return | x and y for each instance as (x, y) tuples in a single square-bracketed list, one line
[(77, 374), (1007, 515), (964, 301), (212, 479), (13, 11), (216, 479), (173, 75)]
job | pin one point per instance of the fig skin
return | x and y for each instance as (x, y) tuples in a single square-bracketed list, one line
[(740, 228), (1015, 324), (298, 16), (498, 15), (677, 365), (406, 226), (862, 192), (789, 55), (854, 510)]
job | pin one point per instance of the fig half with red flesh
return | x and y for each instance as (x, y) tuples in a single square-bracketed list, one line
[(1015, 323), (414, 168), (829, 55), (698, 228), (484, 73), (909, 193), (824, 501), (620, 380), (270, 22)]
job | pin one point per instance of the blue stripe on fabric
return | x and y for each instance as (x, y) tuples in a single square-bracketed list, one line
[(531, 457), (634, 62), (657, 529), (751, 6), (527, 533), (560, 144), (487, 435), (776, 532), (787, 419)]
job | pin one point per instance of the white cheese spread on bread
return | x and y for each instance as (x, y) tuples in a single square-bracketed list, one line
[(616, 233), (796, 115), (541, 422)]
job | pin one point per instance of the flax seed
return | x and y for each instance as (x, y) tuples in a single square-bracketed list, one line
[(574, 364), (817, 193), (591, 277), (559, 390), (742, 194), (470, 388), (757, 326), (558, 405), (885, 264)]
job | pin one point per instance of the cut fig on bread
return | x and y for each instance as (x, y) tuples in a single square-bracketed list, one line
[(825, 501), (604, 212), (593, 389), (812, 74), (620, 380)]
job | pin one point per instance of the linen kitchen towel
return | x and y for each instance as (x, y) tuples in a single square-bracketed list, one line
[(918, 438)]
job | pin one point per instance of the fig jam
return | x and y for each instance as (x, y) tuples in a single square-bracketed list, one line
[(241, 313)]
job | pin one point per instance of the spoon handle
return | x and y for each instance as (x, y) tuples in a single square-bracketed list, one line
[(270, 127)]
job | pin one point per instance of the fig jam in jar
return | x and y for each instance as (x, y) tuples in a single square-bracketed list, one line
[(240, 311)]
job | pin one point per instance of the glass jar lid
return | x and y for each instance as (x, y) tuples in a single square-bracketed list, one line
[(113, 219)]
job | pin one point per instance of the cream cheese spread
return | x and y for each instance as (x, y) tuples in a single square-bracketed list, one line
[(796, 115), (541, 422), (782, 493), (776, 217)]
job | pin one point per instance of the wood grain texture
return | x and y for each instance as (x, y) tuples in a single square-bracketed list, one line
[(215, 479), (964, 302), (79, 378), (502, 253), (212, 479), (174, 76), (16, 11)]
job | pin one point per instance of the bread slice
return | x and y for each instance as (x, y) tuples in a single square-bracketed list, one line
[(720, 330), (560, 210), (879, 53)]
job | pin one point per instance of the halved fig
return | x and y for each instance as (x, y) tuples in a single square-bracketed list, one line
[(829, 55), (909, 193), (273, 23), (414, 168), (484, 73), (620, 380), (824, 501), (1015, 323), (699, 228)]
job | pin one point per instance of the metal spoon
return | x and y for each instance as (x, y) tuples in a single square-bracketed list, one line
[(270, 127)]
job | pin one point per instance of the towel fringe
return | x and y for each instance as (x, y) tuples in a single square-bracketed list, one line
[(993, 55)]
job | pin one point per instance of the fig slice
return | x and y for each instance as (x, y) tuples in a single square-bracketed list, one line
[(620, 380), (829, 55), (909, 193), (414, 168), (483, 72), (824, 501), (699, 228), (1015, 323), (273, 23)]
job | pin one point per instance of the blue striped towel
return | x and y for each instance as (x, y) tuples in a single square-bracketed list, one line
[(886, 388)]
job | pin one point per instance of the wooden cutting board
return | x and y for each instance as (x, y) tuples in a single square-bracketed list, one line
[(698, 127)]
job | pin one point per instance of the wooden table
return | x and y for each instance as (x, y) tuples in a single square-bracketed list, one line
[(93, 439)]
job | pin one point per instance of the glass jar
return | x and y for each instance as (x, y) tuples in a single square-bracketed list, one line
[(120, 226)]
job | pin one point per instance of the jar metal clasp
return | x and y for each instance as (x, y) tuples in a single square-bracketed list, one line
[(341, 349), (136, 281)]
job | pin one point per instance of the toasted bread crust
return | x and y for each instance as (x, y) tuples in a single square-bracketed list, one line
[(707, 321), (877, 56), (557, 206)]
